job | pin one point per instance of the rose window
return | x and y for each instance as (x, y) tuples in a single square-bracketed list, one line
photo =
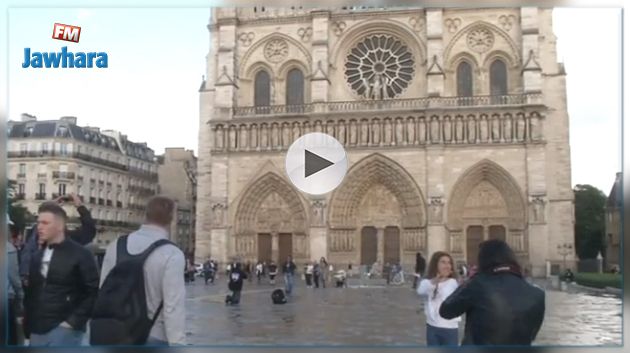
[(379, 67)]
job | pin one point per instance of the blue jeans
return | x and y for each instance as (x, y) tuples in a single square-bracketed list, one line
[(59, 336), (438, 336), (288, 283)]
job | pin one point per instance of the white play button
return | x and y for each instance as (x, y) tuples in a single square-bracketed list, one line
[(316, 163)]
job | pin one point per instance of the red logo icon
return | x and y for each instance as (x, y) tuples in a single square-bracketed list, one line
[(68, 33)]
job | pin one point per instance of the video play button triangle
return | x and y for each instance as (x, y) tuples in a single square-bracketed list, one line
[(314, 163)]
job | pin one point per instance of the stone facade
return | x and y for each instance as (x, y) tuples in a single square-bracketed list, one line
[(454, 121), (613, 225), (176, 173), (113, 176)]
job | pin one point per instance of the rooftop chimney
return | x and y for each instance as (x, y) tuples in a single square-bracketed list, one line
[(69, 119), (28, 117)]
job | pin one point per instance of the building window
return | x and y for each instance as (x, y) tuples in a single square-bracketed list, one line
[(62, 189), (23, 149), (21, 189), (464, 80), (295, 87), (44, 147), (498, 78), (63, 148), (22, 169), (42, 188), (262, 94)]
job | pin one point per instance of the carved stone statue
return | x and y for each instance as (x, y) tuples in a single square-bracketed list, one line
[(296, 131), (275, 135), (341, 132), (459, 129), (435, 130), (507, 127), (253, 136), (318, 208), (436, 209), (387, 139), (220, 138), (520, 128), (242, 133), (447, 129), (232, 137), (353, 133), (378, 86), (365, 138), (411, 131), (483, 129), (472, 129), (400, 138), (538, 209), (376, 132), (422, 130), (330, 128), (218, 214), (286, 135), (496, 133)]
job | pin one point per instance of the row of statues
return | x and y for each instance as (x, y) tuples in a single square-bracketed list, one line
[(471, 129)]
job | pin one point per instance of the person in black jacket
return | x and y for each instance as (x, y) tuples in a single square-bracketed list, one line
[(63, 283), (501, 307), (82, 235), (235, 284)]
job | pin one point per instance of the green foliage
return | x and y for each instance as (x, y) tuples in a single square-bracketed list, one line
[(598, 280), (590, 211), (18, 213)]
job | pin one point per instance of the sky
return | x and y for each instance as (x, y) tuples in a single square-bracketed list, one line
[(157, 58)]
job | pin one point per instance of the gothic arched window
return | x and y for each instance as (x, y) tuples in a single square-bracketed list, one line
[(464, 80), (295, 87), (262, 88), (498, 78)]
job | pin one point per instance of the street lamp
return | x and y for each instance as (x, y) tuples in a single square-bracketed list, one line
[(564, 250)]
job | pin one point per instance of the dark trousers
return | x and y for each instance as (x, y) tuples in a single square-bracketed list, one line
[(316, 279), (236, 297), (309, 278), (13, 325), (438, 336)]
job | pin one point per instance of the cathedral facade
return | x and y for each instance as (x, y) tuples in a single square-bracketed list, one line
[(454, 122)]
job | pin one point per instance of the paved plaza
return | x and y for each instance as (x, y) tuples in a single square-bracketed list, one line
[(372, 315)]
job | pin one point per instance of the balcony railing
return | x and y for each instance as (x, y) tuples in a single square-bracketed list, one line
[(21, 175), (151, 176), (40, 196), (92, 200), (392, 104), (63, 175), (42, 175), (77, 155), (19, 196)]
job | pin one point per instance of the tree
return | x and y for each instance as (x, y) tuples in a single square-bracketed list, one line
[(590, 210), (18, 213)]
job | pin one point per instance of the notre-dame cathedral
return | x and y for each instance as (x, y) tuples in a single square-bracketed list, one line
[(454, 122)]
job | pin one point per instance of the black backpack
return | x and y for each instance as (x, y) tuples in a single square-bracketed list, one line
[(278, 297), (120, 312)]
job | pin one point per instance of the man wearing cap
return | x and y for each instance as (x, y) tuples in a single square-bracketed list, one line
[(16, 294)]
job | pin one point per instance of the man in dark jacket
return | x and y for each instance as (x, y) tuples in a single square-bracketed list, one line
[(288, 269), (501, 307), (82, 235), (63, 283), (237, 275)]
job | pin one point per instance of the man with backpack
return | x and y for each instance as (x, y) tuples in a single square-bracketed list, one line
[(142, 295)]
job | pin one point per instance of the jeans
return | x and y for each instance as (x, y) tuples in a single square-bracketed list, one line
[(59, 336), (236, 297), (438, 336), (288, 283)]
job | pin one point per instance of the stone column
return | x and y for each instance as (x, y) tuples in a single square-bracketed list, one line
[(435, 50), (532, 81), (380, 245), (319, 66)]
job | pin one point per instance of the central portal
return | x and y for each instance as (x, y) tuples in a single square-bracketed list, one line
[(369, 245)]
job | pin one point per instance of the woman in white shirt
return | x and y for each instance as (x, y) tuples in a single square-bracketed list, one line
[(439, 283)]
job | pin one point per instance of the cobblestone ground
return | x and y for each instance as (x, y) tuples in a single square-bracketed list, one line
[(378, 315)]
